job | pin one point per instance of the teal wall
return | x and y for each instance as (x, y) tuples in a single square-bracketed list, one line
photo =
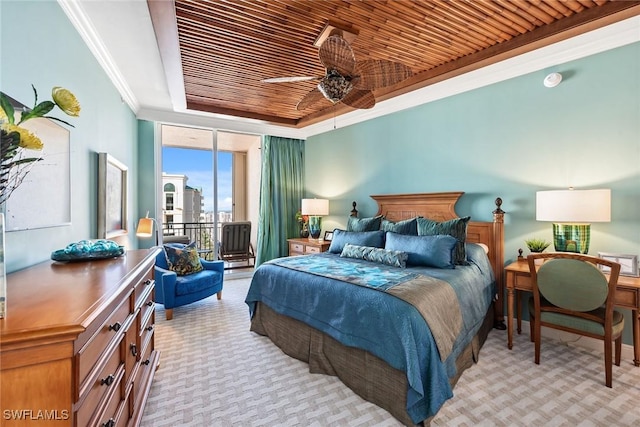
[(40, 46), (146, 175), (507, 140)]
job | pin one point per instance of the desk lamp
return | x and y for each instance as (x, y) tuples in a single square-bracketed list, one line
[(572, 212)]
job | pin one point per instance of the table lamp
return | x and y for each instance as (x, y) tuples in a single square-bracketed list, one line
[(572, 212), (315, 208), (145, 228)]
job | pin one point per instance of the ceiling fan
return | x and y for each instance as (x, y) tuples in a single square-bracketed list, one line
[(347, 80)]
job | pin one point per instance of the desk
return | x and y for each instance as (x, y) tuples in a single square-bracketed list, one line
[(518, 278)]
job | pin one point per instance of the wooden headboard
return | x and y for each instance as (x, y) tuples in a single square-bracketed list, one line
[(441, 207)]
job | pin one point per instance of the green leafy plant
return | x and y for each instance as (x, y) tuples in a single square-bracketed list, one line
[(537, 245), (17, 143)]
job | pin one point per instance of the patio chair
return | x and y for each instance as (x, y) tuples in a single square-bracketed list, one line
[(235, 244)]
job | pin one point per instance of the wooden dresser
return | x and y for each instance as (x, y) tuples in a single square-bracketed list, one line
[(77, 345)]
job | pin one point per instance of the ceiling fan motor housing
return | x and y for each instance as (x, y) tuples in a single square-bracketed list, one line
[(335, 86)]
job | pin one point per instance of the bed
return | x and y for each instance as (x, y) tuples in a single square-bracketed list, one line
[(376, 326)]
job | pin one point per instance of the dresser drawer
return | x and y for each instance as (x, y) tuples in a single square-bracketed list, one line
[(108, 379), (296, 247), (147, 308), (312, 250), (142, 288), (145, 369), (114, 413), (110, 330), (146, 331)]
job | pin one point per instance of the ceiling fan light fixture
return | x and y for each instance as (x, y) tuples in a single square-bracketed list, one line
[(334, 86)]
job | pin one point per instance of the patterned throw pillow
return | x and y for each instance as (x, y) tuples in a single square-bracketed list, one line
[(454, 227), (183, 260), (408, 226), (382, 256), (364, 224)]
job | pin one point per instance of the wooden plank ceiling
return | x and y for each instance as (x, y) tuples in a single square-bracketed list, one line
[(227, 47)]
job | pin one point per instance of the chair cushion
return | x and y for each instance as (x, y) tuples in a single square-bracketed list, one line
[(197, 282), (580, 324), (183, 260), (572, 284)]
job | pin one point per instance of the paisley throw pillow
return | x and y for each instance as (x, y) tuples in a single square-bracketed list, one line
[(183, 260)]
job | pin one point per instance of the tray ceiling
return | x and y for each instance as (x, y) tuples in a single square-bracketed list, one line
[(218, 52)]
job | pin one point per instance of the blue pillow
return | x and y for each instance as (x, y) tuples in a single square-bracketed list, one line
[(364, 224), (455, 228), (358, 238), (408, 226), (379, 255), (430, 251)]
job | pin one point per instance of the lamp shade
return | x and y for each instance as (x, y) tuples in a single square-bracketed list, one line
[(145, 227), (574, 206), (315, 207)]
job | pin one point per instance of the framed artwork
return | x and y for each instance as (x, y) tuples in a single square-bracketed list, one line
[(43, 199), (112, 197), (328, 235), (628, 263)]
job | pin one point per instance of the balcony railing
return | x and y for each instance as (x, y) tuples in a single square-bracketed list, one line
[(200, 232)]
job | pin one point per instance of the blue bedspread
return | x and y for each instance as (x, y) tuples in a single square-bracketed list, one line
[(382, 324)]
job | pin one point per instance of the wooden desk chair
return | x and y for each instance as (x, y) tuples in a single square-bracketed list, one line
[(571, 294)]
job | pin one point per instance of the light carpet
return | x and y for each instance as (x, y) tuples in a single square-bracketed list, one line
[(215, 372)]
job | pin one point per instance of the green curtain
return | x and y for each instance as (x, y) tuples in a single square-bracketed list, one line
[(281, 192)]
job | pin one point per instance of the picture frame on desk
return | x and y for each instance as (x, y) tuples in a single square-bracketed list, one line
[(628, 263), (328, 236)]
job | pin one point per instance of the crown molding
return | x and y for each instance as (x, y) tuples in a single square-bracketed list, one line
[(80, 20)]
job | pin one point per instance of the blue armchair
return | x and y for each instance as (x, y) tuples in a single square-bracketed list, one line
[(175, 291)]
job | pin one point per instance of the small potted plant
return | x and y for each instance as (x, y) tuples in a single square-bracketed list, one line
[(537, 245)]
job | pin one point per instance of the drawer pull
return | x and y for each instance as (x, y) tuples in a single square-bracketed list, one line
[(134, 350), (150, 328), (150, 303), (115, 327), (147, 282), (109, 423), (146, 362), (107, 381)]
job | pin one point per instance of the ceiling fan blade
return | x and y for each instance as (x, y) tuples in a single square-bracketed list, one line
[(336, 54), (290, 79), (358, 98), (309, 99), (377, 73)]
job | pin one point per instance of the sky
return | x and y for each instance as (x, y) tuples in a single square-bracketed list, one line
[(197, 165)]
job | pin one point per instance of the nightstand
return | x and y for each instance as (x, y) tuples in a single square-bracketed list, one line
[(518, 278), (305, 246)]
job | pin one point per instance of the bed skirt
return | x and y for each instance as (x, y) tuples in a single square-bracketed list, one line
[(367, 375)]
